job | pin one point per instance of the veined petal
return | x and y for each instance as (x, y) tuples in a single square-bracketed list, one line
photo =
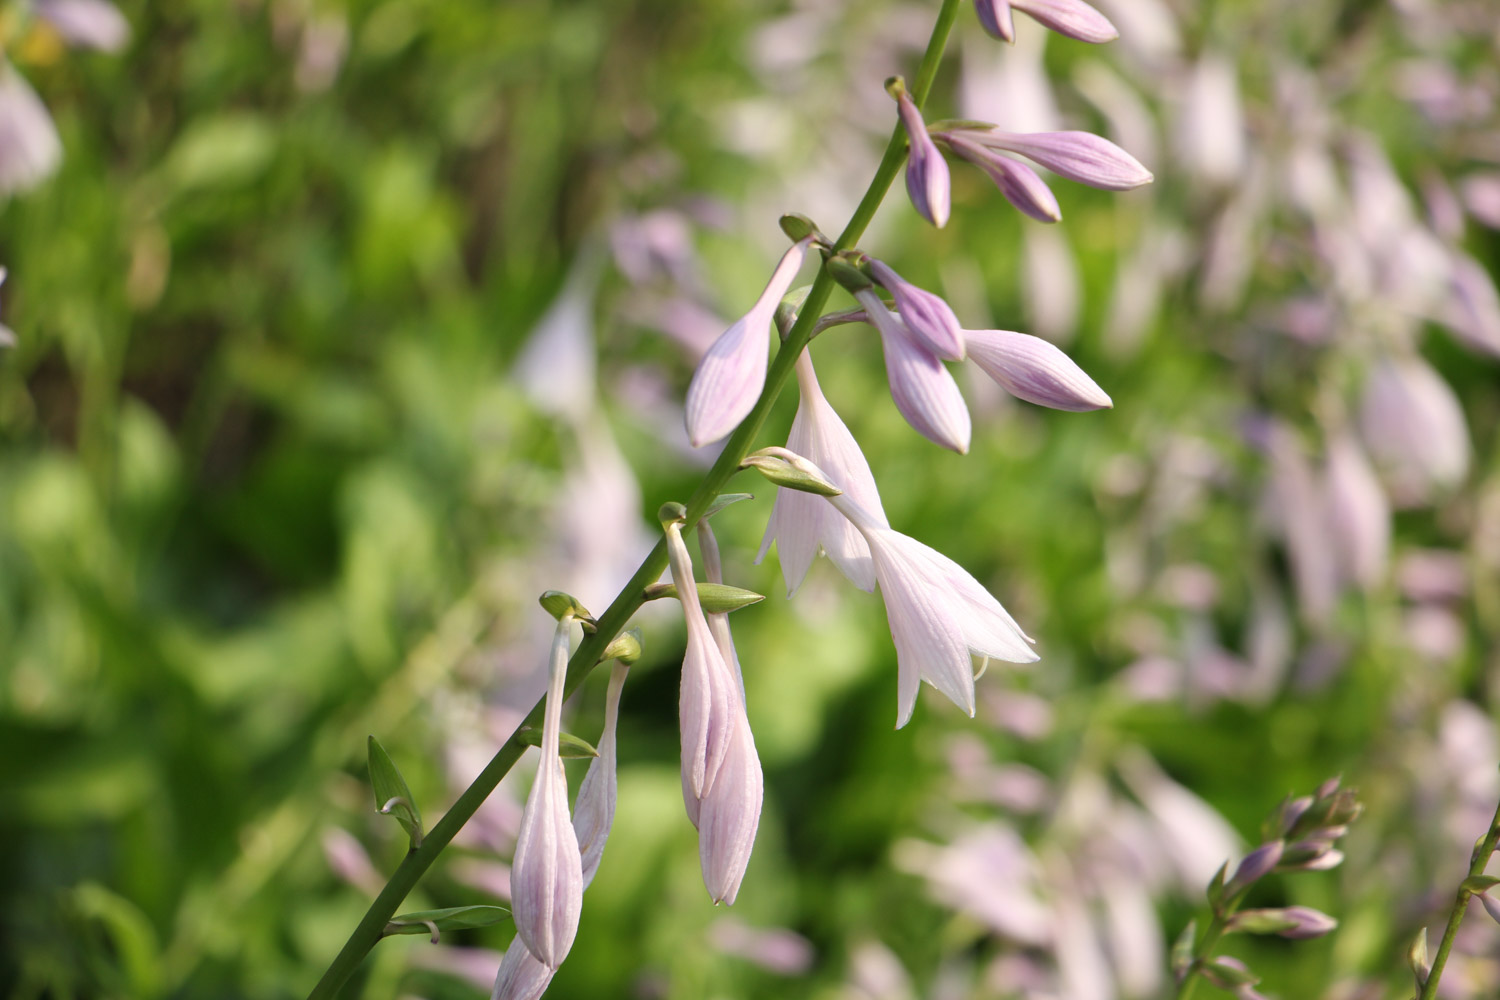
[(926, 315), (1072, 18), (922, 388), (1035, 370), (594, 809), (927, 181), (703, 706), (1079, 156), (995, 18), (521, 975), (1020, 185), (547, 871), (730, 814), (732, 373)]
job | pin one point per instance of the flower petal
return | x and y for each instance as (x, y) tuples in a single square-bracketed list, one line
[(1035, 370), (921, 386)]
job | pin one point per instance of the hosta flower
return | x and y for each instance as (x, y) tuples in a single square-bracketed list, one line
[(927, 181), (1072, 18), (521, 976), (1359, 515), (89, 24), (732, 374), (1078, 156), (547, 873), (925, 314), (1020, 185), (1032, 369), (29, 146), (722, 782), (921, 386), (801, 524), (941, 618)]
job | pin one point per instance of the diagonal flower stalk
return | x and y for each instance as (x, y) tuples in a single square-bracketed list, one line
[(1481, 857), (613, 621)]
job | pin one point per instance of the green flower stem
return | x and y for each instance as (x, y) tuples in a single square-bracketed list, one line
[(1203, 950), (615, 618), (1482, 853)]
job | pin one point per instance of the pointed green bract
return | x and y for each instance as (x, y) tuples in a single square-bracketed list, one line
[(392, 795), (454, 918), (716, 598), (725, 499), (570, 747)]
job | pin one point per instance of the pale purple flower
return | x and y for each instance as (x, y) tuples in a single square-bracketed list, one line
[(1020, 185), (1255, 866), (1071, 18), (547, 873), (29, 146), (1211, 126), (774, 949), (1412, 423), (1032, 369), (921, 386), (521, 976), (1359, 515), (1491, 906), (731, 375), (594, 809), (90, 24), (941, 618), (926, 315), (722, 782), (1078, 156), (927, 181), (801, 524)]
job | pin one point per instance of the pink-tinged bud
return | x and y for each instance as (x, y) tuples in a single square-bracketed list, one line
[(1032, 369), (927, 316), (594, 809), (730, 813), (1413, 423), (922, 388), (1070, 18), (1257, 865), (801, 524), (1358, 513), (90, 24), (732, 374), (1078, 156), (29, 146), (995, 18), (1491, 906), (927, 181), (521, 976), (1310, 923), (1020, 185), (546, 880)]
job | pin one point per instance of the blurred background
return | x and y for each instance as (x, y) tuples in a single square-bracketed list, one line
[(342, 330)]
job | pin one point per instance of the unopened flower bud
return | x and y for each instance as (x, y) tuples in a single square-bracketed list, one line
[(1035, 370), (921, 386), (925, 314), (1294, 922), (1491, 906), (1078, 156), (1256, 865), (784, 468), (1017, 182), (927, 181), (995, 18)]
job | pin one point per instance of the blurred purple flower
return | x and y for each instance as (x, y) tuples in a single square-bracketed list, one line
[(521, 976), (1359, 516), (921, 386), (1032, 369), (774, 949), (801, 524), (731, 375), (90, 24), (29, 146), (547, 873), (1413, 424), (927, 181), (926, 315)]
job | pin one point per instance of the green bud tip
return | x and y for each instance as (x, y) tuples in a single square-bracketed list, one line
[(896, 87), (845, 269), (626, 647), (799, 227), (671, 512), (560, 604), (790, 470)]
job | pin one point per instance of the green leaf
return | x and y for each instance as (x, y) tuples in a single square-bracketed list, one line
[(1216, 888), (1480, 883), (569, 747), (454, 918), (1182, 950), (716, 598), (392, 794), (724, 500)]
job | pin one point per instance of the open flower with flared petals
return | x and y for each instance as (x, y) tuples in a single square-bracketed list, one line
[(722, 782), (547, 872), (1071, 18), (732, 373), (801, 524), (921, 386), (1035, 370)]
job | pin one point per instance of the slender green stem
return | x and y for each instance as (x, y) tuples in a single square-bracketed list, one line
[(614, 619), (1204, 948), (1482, 852)]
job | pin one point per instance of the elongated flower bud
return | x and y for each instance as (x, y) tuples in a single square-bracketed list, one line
[(1032, 369), (995, 18), (730, 814), (594, 810), (732, 374), (1078, 156), (1358, 513), (927, 181), (547, 873), (1020, 185), (922, 388), (521, 975), (927, 316), (1070, 18)]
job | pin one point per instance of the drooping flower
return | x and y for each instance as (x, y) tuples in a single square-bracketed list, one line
[(29, 146), (1071, 18), (801, 524), (1078, 156), (547, 873), (1412, 423), (722, 782), (921, 386), (521, 975), (927, 180), (925, 314), (1032, 369), (941, 618), (1020, 185), (732, 373)]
